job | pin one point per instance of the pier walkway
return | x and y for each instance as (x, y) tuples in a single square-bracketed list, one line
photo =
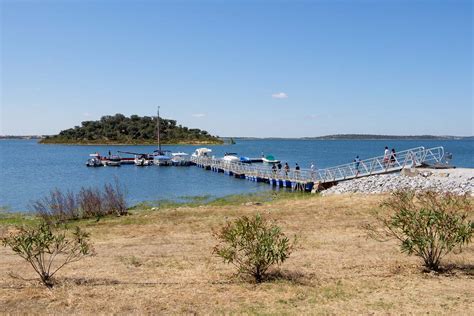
[(305, 179)]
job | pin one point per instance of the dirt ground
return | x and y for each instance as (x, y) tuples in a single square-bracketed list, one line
[(161, 262)]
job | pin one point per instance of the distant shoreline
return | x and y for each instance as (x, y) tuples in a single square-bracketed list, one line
[(327, 137), (358, 137)]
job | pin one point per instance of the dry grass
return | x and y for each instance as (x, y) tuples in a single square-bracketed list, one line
[(161, 262)]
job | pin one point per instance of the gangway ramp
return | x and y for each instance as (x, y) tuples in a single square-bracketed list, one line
[(304, 179)]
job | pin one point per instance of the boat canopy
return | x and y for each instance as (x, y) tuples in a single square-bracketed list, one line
[(180, 154), (161, 157), (270, 157)]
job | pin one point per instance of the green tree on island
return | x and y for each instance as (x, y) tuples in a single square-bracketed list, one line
[(119, 129)]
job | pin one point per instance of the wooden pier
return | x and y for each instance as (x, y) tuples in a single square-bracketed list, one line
[(307, 180)]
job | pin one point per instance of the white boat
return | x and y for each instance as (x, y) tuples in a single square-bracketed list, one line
[(94, 161), (162, 160), (180, 159), (270, 159), (143, 160), (202, 152), (231, 157)]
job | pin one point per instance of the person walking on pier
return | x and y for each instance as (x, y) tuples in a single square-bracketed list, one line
[(386, 156), (393, 157), (356, 165), (287, 169), (313, 167), (279, 168)]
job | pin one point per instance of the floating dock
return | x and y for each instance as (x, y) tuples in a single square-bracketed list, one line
[(307, 180)]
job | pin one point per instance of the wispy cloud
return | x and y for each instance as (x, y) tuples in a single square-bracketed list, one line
[(199, 115), (280, 95), (86, 114), (312, 116)]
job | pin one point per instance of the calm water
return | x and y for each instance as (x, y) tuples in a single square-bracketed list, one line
[(28, 170)]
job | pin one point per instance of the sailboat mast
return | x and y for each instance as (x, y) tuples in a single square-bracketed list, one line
[(158, 130)]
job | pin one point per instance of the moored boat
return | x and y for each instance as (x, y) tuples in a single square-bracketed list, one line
[(231, 157), (113, 161), (94, 161), (202, 152), (143, 160), (270, 159), (162, 160), (180, 159), (245, 160)]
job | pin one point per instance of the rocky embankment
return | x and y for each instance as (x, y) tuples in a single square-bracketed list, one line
[(459, 181)]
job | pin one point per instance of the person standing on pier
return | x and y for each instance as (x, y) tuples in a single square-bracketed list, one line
[(393, 157), (356, 165), (274, 169), (386, 156), (313, 167), (297, 170), (287, 169)]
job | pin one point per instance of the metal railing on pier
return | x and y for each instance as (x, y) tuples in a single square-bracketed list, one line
[(414, 157)]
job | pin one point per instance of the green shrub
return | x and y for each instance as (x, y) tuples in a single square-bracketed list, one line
[(428, 224), (252, 244), (47, 250)]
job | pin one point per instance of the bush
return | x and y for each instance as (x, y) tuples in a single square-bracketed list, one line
[(114, 200), (427, 224), (46, 250), (90, 202), (61, 206), (252, 245)]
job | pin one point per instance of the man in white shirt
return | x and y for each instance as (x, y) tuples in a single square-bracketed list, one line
[(386, 156)]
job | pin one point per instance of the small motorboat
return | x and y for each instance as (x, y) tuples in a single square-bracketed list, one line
[(231, 157), (180, 159), (162, 160), (94, 161), (143, 160), (202, 152), (139, 159), (113, 161), (245, 160), (270, 159)]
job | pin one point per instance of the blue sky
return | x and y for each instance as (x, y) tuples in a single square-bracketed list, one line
[(240, 68)]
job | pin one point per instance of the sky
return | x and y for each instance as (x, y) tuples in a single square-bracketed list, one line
[(240, 68)]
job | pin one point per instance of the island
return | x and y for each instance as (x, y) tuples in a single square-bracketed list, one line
[(133, 130)]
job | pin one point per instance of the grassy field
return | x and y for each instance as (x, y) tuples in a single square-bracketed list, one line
[(159, 260)]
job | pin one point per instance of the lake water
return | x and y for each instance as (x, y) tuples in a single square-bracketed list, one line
[(29, 170)]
